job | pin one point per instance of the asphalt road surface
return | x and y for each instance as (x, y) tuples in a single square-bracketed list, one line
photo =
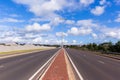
[(24, 66), (94, 67)]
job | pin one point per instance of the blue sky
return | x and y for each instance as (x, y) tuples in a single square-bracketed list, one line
[(46, 21)]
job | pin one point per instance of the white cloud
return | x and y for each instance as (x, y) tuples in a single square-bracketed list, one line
[(84, 27), (73, 31), (10, 20), (37, 40), (56, 21), (11, 39), (14, 15), (86, 23), (80, 31), (63, 41), (118, 18), (86, 2), (74, 41), (102, 2), (94, 36), (98, 10), (61, 34), (70, 22), (17, 39), (43, 7), (48, 9), (38, 19), (38, 27), (111, 32)]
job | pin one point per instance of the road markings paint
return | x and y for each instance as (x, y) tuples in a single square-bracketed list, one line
[(1, 66), (32, 77), (48, 66), (79, 75), (69, 68), (101, 62)]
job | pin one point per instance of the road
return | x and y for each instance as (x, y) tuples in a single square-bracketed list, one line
[(24, 66), (94, 67)]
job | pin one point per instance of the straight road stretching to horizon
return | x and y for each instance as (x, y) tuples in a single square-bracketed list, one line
[(24, 66), (89, 65), (95, 67)]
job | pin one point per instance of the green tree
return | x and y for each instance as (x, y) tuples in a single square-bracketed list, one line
[(117, 46)]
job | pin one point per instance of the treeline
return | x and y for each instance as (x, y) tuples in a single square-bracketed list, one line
[(107, 47)]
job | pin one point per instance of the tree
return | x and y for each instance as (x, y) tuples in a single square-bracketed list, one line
[(117, 46)]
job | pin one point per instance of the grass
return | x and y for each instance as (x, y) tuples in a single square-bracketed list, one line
[(20, 51), (104, 54)]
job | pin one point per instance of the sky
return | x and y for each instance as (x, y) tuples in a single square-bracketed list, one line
[(56, 21)]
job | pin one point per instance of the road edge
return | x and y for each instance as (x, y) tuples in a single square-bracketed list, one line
[(47, 63), (23, 53), (75, 68), (69, 68)]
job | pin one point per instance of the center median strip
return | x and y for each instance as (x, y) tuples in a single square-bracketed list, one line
[(62, 68), (59, 67), (57, 70), (42, 69)]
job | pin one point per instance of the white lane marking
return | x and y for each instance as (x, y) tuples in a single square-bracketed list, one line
[(31, 78), (48, 67), (101, 62), (1, 66), (79, 75)]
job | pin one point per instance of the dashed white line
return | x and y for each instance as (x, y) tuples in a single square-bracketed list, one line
[(48, 67), (101, 62), (79, 75), (1, 66), (84, 55)]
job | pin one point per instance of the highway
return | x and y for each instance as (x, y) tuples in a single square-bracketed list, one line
[(89, 65), (24, 66), (94, 67)]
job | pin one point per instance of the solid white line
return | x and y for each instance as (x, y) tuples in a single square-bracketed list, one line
[(79, 75), (31, 78), (48, 66), (1, 66), (101, 62)]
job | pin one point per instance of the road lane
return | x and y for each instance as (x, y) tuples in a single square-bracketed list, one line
[(24, 66), (94, 67)]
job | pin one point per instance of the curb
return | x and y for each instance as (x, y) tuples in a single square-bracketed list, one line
[(69, 67), (41, 70), (78, 75)]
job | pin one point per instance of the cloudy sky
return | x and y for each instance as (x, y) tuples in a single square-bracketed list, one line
[(48, 21)]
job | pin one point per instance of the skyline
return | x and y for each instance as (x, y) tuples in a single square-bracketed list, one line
[(46, 21)]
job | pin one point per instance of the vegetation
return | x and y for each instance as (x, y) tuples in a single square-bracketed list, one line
[(22, 51), (107, 47)]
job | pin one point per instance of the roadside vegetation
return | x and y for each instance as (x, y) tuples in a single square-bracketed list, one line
[(105, 48), (20, 51)]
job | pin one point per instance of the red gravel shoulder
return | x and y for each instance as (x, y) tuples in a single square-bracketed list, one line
[(58, 69)]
